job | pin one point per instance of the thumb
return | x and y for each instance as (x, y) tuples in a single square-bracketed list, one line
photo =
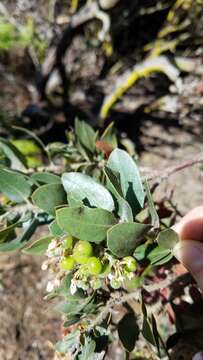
[(189, 250), (190, 254)]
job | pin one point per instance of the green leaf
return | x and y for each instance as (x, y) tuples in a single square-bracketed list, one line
[(48, 197), (128, 331), (131, 184), (14, 186), (143, 306), (55, 230), (152, 209), (85, 188), (72, 201), (74, 305), (88, 350), (159, 256), (63, 290), (72, 320), (33, 136), (155, 332), (122, 239), (140, 252), (46, 178), (30, 150), (85, 223), (124, 209), (109, 136), (86, 135), (70, 308), (70, 343), (17, 159), (12, 245), (167, 239), (26, 147), (38, 247), (147, 331), (7, 231), (21, 240)]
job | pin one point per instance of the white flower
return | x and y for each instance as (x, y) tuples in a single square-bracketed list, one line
[(44, 265), (52, 245), (50, 286), (110, 276), (73, 287), (130, 276)]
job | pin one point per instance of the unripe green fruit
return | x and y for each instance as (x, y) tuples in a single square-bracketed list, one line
[(115, 284), (67, 263), (130, 264), (82, 248), (68, 242), (94, 265), (96, 284), (80, 259), (106, 269)]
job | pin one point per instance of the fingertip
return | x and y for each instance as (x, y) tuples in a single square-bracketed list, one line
[(190, 254), (191, 225)]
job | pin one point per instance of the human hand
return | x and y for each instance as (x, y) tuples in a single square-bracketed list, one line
[(189, 250)]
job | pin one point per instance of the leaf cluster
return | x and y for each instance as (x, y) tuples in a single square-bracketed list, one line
[(105, 202)]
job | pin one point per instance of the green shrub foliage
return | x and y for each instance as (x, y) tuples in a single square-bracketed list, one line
[(104, 237)]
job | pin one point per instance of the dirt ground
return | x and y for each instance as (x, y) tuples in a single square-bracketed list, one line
[(28, 323)]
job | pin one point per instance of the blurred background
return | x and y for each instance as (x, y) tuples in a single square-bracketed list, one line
[(136, 63)]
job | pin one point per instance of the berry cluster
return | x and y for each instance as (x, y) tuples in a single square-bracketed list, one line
[(91, 271)]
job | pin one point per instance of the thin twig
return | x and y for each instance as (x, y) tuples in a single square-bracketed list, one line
[(165, 173), (118, 299)]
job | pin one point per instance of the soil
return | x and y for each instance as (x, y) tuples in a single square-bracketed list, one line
[(29, 324)]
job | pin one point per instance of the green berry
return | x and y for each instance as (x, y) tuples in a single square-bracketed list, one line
[(130, 264), (80, 259), (94, 265), (68, 242), (83, 247), (106, 269), (115, 284), (67, 263), (96, 284)]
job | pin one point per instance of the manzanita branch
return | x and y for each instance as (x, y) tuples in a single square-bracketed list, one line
[(117, 299), (165, 173)]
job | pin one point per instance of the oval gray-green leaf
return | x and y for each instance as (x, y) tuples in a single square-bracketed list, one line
[(11, 245), (122, 239), (83, 187), (5, 232), (48, 197), (152, 210), (159, 256), (86, 135), (124, 209), (17, 159), (55, 230), (46, 178), (14, 185), (147, 331), (38, 247), (167, 239), (128, 331), (131, 183), (85, 223)]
